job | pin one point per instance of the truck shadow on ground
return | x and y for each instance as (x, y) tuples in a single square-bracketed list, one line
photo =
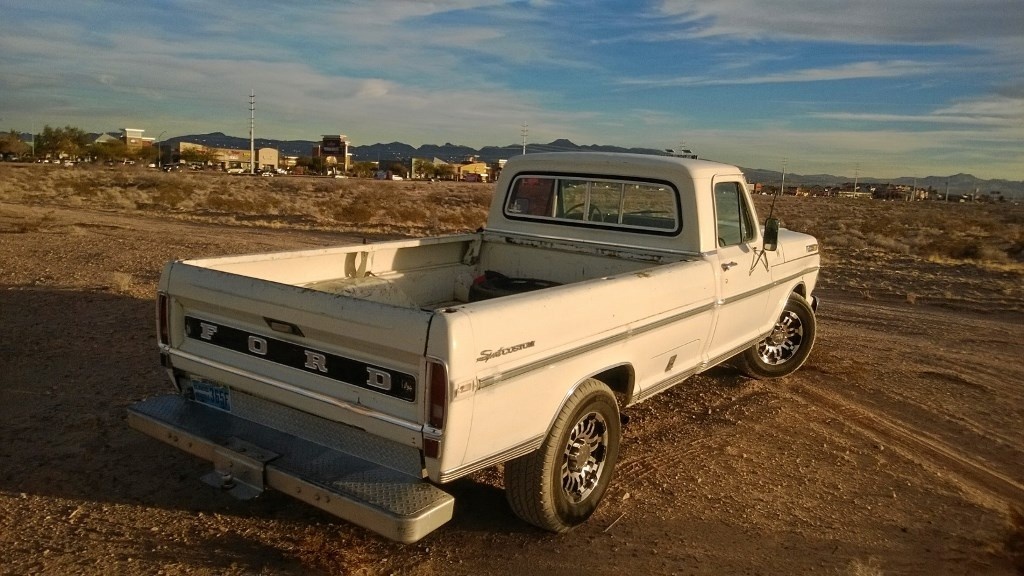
[(71, 362)]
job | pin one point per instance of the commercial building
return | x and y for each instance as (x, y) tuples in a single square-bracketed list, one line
[(334, 150), (223, 158), (133, 138)]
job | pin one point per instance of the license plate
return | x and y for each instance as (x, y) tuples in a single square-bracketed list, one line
[(212, 395)]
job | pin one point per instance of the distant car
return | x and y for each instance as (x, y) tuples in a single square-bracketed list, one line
[(236, 170), (340, 176), (266, 173)]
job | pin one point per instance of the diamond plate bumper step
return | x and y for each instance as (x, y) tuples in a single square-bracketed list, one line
[(250, 457)]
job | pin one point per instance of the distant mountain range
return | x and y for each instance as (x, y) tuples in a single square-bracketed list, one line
[(398, 151)]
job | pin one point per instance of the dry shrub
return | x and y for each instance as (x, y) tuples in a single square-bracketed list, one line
[(1014, 541), (888, 243), (85, 188), (170, 197), (1016, 250), (869, 568), (324, 187), (410, 214), (358, 210), (851, 242), (242, 203), (974, 249), (120, 282)]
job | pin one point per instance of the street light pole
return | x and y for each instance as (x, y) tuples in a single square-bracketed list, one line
[(159, 156)]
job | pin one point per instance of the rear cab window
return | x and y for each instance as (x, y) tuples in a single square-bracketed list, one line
[(642, 206)]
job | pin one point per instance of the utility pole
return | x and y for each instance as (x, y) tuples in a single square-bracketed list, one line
[(856, 173), (524, 138), (782, 191), (252, 132), (159, 150)]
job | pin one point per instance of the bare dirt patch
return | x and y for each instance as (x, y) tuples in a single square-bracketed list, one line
[(895, 450)]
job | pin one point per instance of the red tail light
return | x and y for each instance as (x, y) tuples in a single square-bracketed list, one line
[(437, 374), (162, 312)]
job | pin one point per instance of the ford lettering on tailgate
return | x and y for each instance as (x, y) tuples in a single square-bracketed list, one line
[(369, 376)]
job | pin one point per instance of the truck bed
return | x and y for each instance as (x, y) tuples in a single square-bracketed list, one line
[(432, 273)]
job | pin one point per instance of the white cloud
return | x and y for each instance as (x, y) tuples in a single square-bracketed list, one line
[(995, 113), (853, 71), (990, 22)]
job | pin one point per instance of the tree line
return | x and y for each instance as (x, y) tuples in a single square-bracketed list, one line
[(70, 142), (74, 143)]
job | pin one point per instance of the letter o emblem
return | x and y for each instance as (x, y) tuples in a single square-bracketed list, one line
[(257, 345)]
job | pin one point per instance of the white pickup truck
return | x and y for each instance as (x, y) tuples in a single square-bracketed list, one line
[(359, 379)]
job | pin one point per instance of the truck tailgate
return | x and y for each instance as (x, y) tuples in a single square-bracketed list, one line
[(345, 359)]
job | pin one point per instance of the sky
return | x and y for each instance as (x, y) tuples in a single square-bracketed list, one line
[(878, 88)]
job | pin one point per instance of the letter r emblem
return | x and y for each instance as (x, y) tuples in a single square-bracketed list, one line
[(316, 361)]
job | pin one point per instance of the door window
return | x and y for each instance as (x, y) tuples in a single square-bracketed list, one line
[(735, 226)]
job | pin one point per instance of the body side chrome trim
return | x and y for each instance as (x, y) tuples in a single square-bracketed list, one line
[(504, 456), (768, 287), (538, 364), (662, 386), (723, 357)]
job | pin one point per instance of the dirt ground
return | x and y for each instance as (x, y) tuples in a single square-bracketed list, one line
[(897, 449)]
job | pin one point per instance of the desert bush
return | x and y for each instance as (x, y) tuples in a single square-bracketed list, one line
[(978, 250), (846, 241), (120, 282), (324, 187), (241, 203), (888, 243), (355, 212), (170, 196), (1014, 541), (76, 185), (410, 214)]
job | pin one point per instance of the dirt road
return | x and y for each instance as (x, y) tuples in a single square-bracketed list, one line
[(896, 450)]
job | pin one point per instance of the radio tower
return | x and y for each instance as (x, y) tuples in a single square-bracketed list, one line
[(252, 132)]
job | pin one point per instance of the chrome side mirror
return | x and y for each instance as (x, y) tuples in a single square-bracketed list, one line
[(771, 234)]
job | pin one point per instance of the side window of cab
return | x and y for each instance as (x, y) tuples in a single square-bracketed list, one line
[(735, 225)]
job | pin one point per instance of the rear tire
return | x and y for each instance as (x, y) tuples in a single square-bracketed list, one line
[(561, 484), (787, 347)]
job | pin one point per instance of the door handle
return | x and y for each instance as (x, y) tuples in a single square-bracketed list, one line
[(727, 265)]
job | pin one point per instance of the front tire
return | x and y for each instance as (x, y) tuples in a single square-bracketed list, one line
[(787, 347), (560, 484)]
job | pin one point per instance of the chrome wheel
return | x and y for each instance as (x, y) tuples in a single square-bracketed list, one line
[(784, 342), (560, 484), (584, 457)]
